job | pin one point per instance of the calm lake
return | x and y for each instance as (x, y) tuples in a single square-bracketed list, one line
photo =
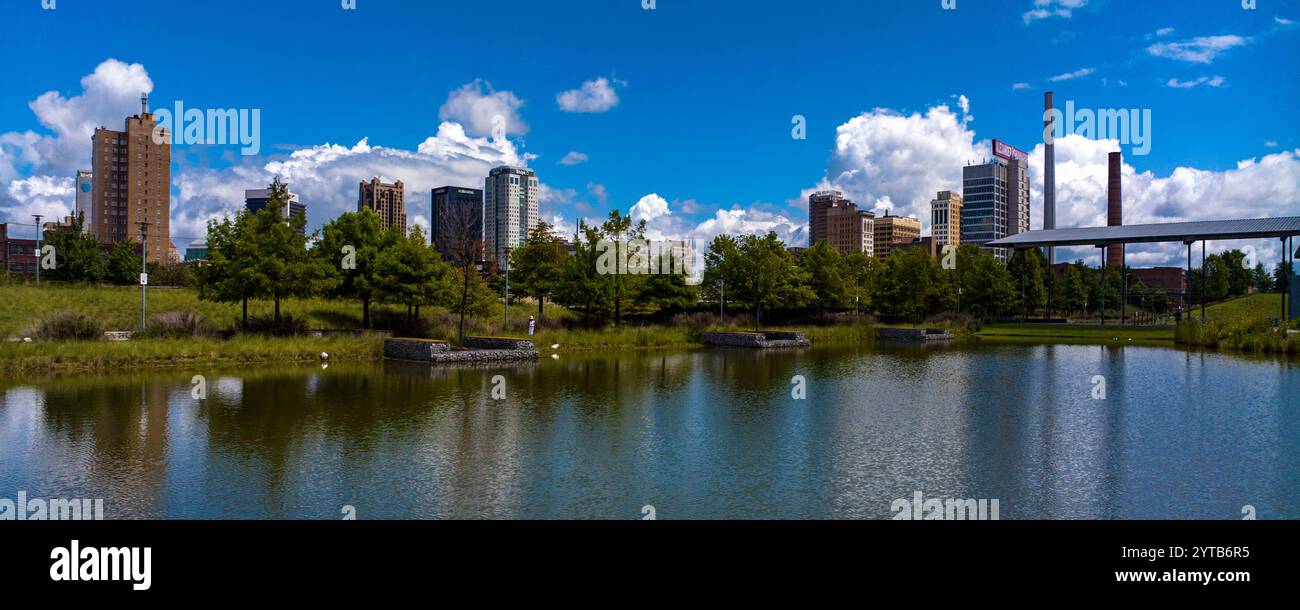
[(693, 434)]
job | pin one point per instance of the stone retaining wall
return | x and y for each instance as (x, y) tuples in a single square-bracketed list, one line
[(419, 350), (756, 340), (438, 352), (914, 335), (498, 343)]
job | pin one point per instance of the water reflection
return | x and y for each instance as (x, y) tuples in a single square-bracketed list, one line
[(697, 434)]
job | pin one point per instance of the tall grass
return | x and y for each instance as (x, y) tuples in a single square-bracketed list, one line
[(1247, 335)]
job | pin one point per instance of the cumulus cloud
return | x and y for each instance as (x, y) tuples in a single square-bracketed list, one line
[(1199, 50), (1047, 9), (886, 160), (480, 108), (108, 95), (1255, 188), (650, 207), (1073, 75), (594, 96), (574, 158), (1209, 81), (598, 191)]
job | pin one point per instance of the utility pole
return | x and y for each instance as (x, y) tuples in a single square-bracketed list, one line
[(38, 218), (144, 269)]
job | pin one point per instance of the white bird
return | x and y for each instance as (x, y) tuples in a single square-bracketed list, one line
[(555, 346), (324, 356)]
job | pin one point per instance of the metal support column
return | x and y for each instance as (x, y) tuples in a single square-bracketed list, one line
[(1205, 279), (1103, 286)]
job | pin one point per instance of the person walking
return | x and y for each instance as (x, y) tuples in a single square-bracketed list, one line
[(532, 325)]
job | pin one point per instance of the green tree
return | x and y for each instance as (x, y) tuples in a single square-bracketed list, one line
[(229, 275), (78, 257), (1260, 280), (617, 231), (412, 273), (283, 267), (581, 287), (349, 247), (824, 267), (769, 277), (1033, 265), (123, 264), (911, 286), (859, 277), (536, 268), (721, 269), (668, 290)]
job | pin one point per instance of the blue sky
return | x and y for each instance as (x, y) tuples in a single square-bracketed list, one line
[(706, 90)]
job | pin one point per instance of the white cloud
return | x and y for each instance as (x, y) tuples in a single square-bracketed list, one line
[(883, 159), (477, 106), (598, 191), (574, 158), (109, 94), (1210, 81), (650, 207), (1072, 75), (1200, 50), (1020, 86), (594, 96), (1046, 9), (1270, 143), (1162, 32), (1254, 189), (1283, 21)]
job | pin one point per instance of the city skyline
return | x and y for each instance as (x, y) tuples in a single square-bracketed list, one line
[(616, 133)]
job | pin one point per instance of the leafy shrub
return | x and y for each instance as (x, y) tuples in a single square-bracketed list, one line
[(177, 325), (288, 326), (67, 326)]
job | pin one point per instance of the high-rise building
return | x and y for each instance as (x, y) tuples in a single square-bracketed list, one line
[(85, 186), (849, 229), (387, 198), (196, 251), (457, 220), (945, 221), (255, 200), (510, 210), (818, 205), (996, 198), (894, 230), (131, 192)]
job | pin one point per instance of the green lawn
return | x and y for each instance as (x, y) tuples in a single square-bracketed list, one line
[(1255, 306), (1079, 333), (119, 307)]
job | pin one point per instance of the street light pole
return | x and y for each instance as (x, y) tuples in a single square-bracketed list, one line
[(38, 218), (505, 323), (144, 269)]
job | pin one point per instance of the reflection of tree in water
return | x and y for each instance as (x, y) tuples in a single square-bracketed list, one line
[(117, 434)]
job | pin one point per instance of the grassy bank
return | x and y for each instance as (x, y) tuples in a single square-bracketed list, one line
[(1254, 336), (164, 353), (1078, 333)]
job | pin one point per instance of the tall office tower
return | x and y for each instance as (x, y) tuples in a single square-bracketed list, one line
[(945, 221), (256, 199), (510, 210), (388, 198), (1049, 170), (849, 229), (85, 186), (131, 183), (996, 198), (894, 230), (818, 204), (1115, 207), (457, 220)]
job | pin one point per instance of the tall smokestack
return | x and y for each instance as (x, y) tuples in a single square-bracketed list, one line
[(1049, 170), (1115, 207)]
